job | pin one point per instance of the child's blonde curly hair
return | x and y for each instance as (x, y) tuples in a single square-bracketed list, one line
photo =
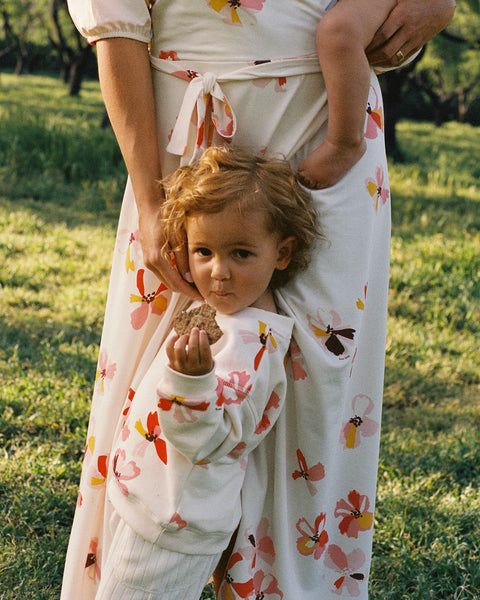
[(224, 176)]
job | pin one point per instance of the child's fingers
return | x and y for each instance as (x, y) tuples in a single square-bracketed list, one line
[(205, 352), (170, 345)]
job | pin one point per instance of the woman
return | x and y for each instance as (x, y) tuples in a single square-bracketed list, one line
[(246, 71)]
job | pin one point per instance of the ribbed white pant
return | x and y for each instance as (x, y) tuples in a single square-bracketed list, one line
[(139, 570)]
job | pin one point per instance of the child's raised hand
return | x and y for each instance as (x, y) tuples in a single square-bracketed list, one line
[(190, 354), (328, 163)]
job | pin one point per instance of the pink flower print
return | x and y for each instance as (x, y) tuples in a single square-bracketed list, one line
[(314, 473), (93, 560), (128, 243), (105, 371), (374, 117), (269, 413), (360, 424), (186, 74), (347, 566), (179, 522), (229, 9), (233, 390), (172, 55), (152, 435), (262, 82), (237, 452), (354, 514), (265, 587), (153, 301), (328, 327), (312, 540), (264, 337), (260, 545), (123, 470), (181, 412), (298, 363), (98, 474), (377, 189)]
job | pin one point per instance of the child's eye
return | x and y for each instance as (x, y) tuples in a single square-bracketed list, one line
[(203, 251), (239, 253)]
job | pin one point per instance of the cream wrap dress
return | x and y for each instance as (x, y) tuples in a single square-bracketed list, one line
[(245, 72)]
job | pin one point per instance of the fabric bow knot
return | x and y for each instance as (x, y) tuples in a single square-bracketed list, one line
[(204, 104)]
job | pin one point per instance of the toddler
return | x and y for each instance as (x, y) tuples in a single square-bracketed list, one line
[(180, 458)]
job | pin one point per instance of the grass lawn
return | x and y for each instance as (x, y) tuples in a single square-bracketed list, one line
[(61, 184)]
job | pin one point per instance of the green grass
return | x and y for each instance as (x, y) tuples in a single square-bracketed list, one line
[(61, 183)]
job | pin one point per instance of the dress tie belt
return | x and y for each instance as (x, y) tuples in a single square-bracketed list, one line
[(205, 105)]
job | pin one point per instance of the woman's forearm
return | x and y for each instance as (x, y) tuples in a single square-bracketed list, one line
[(126, 83)]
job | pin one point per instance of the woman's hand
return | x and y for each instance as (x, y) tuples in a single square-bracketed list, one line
[(190, 354), (410, 25), (176, 277), (126, 82)]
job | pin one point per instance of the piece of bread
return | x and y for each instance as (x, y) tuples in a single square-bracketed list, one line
[(202, 317)]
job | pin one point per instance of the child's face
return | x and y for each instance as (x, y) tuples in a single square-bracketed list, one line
[(232, 257)]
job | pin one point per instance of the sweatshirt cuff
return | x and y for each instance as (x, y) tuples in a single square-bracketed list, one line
[(189, 387)]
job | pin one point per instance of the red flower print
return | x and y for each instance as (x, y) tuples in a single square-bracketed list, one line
[(264, 336), (376, 188), (152, 435), (181, 412), (229, 9), (309, 474), (374, 117), (153, 301), (361, 302), (234, 390), (271, 409), (128, 403), (172, 55), (98, 473), (179, 522), (123, 470), (298, 363), (105, 371), (360, 424), (231, 589), (312, 539), (354, 514), (347, 566), (328, 327), (93, 560)]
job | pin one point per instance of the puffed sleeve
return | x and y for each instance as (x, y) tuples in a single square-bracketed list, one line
[(100, 19)]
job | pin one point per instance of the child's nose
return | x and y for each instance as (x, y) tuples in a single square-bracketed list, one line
[(220, 269)]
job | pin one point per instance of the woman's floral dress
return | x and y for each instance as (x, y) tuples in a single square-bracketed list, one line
[(245, 72)]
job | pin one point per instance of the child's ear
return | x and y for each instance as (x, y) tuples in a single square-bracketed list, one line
[(285, 250)]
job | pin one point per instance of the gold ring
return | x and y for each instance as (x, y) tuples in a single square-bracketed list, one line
[(400, 56)]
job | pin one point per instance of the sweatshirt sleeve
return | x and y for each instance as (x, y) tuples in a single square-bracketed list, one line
[(101, 19), (227, 412)]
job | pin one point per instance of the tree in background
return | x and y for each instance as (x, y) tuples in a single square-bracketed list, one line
[(40, 33), (444, 82), (73, 51), (449, 74), (22, 22)]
